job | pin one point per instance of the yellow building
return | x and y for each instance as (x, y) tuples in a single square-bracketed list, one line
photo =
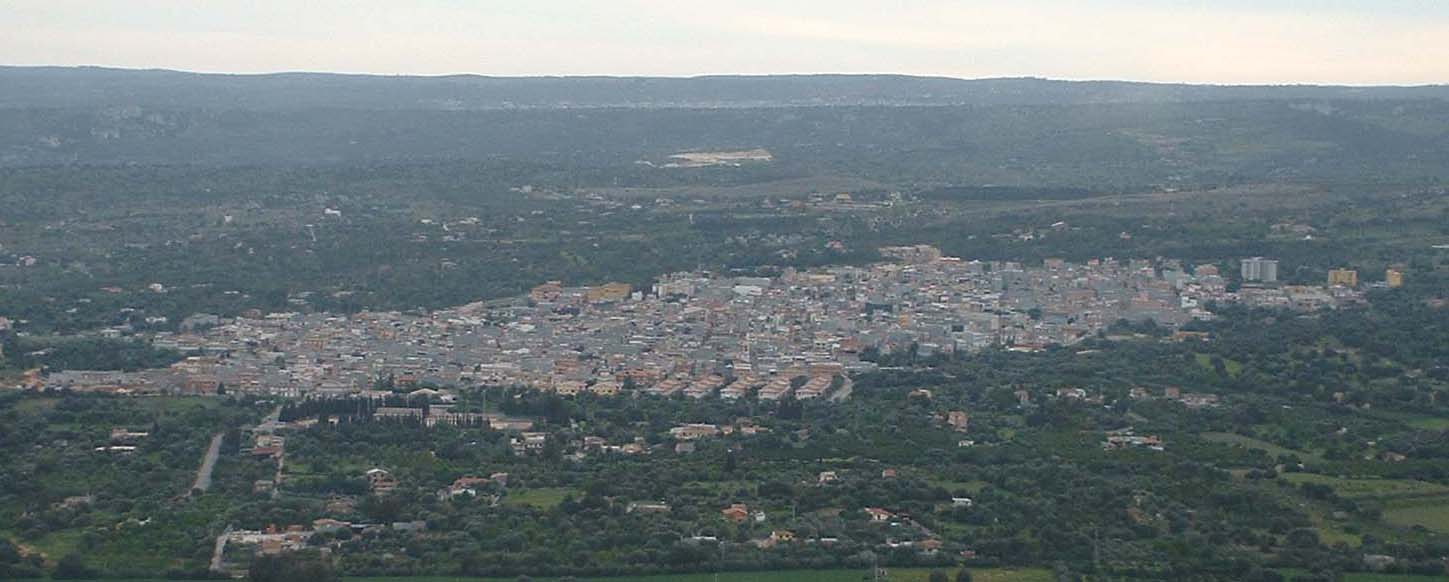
[(546, 292), (1394, 278), (1344, 277), (609, 292)]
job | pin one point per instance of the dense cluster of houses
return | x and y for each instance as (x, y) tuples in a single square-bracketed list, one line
[(694, 333)]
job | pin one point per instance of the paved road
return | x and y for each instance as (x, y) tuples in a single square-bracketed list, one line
[(277, 480), (219, 551), (270, 426), (203, 475)]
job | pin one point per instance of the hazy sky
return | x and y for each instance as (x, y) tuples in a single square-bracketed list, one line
[(1222, 41)]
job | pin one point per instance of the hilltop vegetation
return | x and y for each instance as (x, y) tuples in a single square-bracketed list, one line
[(95, 86)]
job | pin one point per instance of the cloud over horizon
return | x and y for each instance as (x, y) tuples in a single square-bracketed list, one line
[(1228, 41)]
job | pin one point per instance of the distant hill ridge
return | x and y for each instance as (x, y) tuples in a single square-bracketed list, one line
[(91, 87)]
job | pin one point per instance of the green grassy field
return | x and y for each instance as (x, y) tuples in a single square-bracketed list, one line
[(1372, 488), (900, 575), (1418, 421), (1369, 577), (721, 486), (1233, 367), (1289, 573), (1409, 502), (33, 405), (1430, 513), (1429, 423), (1330, 532), (1259, 444), (52, 544), (973, 487), (895, 575), (542, 498)]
